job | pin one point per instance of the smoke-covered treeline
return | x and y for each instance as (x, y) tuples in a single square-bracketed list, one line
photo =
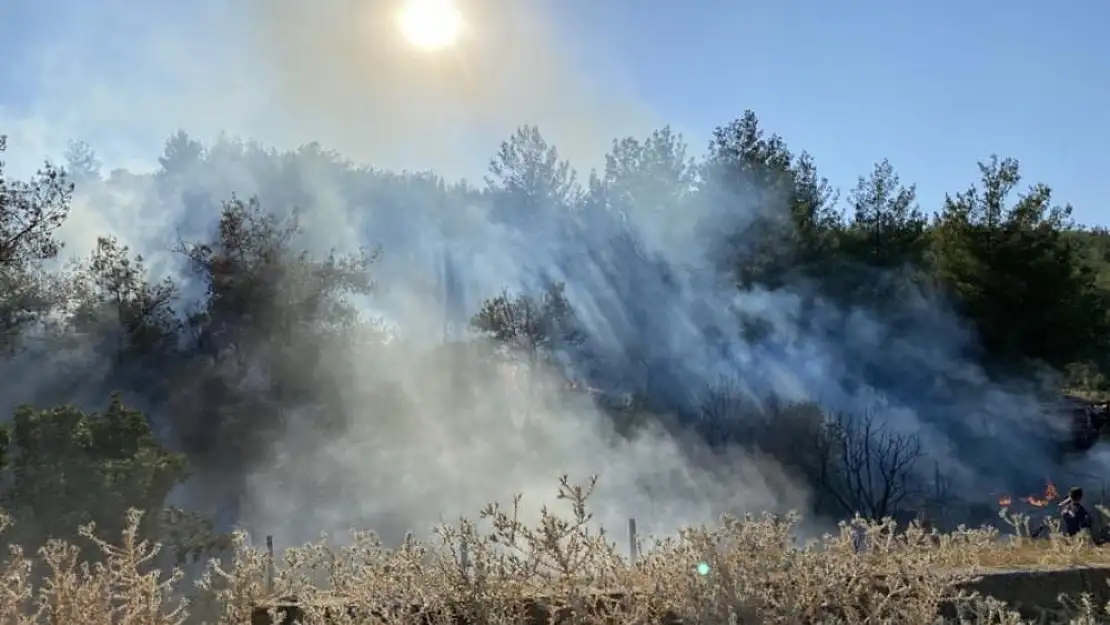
[(295, 342)]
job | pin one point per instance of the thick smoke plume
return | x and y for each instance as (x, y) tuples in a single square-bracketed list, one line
[(423, 428)]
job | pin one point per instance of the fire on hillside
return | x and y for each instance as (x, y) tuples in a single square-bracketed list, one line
[(1040, 500)]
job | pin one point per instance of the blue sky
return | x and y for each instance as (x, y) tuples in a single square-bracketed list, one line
[(934, 86)]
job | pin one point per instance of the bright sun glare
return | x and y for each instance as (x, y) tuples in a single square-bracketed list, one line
[(431, 24)]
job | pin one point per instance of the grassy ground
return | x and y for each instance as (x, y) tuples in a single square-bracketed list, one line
[(1036, 555)]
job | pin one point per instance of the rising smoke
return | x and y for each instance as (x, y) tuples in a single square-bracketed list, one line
[(646, 284)]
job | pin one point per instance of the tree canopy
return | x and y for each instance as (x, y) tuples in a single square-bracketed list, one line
[(651, 281)]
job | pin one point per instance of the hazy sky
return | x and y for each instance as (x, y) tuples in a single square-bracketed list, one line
[(934, 86)]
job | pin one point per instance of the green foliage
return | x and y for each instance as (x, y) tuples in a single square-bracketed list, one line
[(111, 289), (258, 348), (30, 214), (793, 220), (272, 313), (887, 229), (1017, 275), (64, 467), (528, 177), (533, 325), (1033, 285), (654, 174)]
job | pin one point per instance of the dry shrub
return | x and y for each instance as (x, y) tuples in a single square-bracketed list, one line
[(500, 570)]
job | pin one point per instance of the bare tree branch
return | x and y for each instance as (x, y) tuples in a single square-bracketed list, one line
[(868, 468)]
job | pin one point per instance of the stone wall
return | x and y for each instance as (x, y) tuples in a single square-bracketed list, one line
[(1035, 593)]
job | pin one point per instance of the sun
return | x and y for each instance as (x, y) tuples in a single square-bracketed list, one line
[(431, 25)]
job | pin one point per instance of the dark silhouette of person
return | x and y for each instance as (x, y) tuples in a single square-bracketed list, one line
[(1072, 513)]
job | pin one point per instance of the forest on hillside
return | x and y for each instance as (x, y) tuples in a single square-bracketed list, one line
[(295, 341)]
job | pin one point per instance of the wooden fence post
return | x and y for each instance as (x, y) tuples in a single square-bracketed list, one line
[(633, 544), (270, 564), (464, 557)]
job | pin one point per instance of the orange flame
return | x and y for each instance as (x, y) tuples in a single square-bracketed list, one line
[(1037, 501)]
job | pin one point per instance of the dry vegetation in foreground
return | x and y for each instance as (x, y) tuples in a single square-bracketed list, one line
[(751, 571)]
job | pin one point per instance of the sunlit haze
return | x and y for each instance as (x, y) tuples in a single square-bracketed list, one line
[(336, 71), (431, 24)]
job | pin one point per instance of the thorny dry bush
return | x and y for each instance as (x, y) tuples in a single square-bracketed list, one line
[(501, 570)]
